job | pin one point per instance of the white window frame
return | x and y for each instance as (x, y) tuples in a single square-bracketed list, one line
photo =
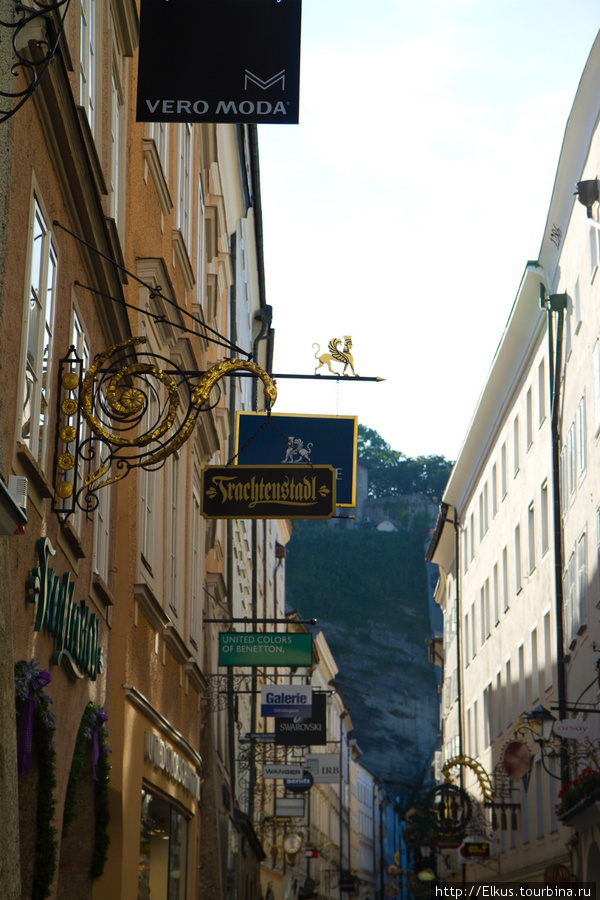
[(40, 303), (541, 392), (581, 438), (184, 182)]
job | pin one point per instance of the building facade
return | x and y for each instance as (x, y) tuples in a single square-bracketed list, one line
[(516, 545)]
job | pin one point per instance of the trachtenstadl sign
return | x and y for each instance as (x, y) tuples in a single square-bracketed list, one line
[(219, 61)]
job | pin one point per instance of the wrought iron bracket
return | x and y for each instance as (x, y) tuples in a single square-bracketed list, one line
[(129, 414), (26, 29)]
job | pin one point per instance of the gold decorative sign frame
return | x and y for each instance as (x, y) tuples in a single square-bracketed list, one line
[(105, 427)]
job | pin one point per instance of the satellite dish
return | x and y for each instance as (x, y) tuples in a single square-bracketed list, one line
[(517, 759)]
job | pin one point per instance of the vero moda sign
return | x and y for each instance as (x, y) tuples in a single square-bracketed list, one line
[(219, 61)]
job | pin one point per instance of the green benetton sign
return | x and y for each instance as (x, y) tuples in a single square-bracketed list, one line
[(259, 649)]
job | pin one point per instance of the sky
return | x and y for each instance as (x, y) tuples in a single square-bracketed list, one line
[(403, 208)]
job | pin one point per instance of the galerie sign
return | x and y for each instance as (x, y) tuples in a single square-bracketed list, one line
[(259, 649), (74, 627), (219, 61), (267, 492), (285, 700)]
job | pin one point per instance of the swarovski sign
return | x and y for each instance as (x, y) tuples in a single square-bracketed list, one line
[(219, 61)]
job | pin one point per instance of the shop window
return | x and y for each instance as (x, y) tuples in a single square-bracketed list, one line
[(163, 849)]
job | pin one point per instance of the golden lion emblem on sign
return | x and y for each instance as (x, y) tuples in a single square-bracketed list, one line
[(336, 355)]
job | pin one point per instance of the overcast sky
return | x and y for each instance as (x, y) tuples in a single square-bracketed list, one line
[(403, 208)]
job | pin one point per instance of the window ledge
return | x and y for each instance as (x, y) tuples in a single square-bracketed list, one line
[(156, 171), (73, 540), (183, 258), (101, 589), (34, 471)]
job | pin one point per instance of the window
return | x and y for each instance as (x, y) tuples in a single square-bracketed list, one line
[(467, 636), (476, 728), (473, 632), (147, 495), (577, 307), (117, 101), (596, 370), (79, 341), (581, 438), (163, 849), (472, 537), (39, 330), (503, 470), (518, 581), (505, 576), (544, 518), (521, 687), (87, 60), (594, 251), (541, 393), (571, 462), (547, 652), (487, 716), (531, 537), (485, 611), (516, 458), (494, 491), (496, 594), (101, 533), (508, 691), (499, 717), (174, 586), (196, 574), (582, 581), (185, 182), (486, 522), (529, 418), (466, 549), (569, 600), (535, 680), (201, 248), (159, 133)]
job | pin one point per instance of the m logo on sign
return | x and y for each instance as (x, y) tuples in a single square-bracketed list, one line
[(251, 78)]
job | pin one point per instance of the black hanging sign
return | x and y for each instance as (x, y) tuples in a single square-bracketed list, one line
[(268, 492), (219, 61), (304, 732)]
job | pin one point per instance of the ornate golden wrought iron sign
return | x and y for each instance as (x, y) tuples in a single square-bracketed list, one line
[(127, 414), (268, 492)]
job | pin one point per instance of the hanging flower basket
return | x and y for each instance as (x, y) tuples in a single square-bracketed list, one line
[(579, 800)]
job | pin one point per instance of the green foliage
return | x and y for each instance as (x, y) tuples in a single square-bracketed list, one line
[(392, 474), (337, 574), (26, 689), (92, 719)]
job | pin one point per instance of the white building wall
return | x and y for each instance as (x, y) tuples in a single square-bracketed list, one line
[(502, 491)]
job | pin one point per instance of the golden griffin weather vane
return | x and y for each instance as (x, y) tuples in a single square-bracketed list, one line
[(132, 414), (336, 355)]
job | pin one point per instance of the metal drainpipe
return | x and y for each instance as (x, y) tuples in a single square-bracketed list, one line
[(557, 303)]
